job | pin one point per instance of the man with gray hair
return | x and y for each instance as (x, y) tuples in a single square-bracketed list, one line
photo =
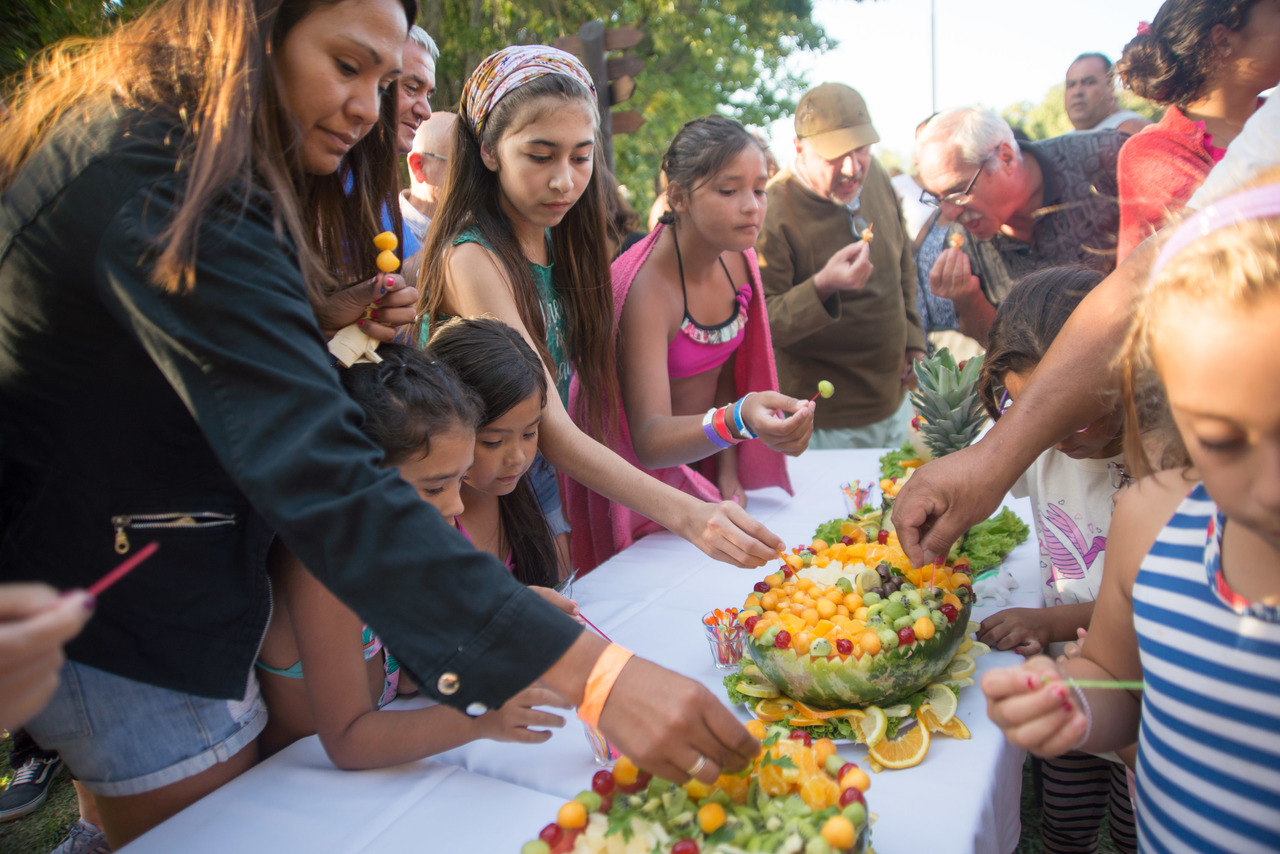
[(417, 85), (1025, 206)]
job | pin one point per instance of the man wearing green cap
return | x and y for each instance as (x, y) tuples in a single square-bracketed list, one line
[(839, 280)]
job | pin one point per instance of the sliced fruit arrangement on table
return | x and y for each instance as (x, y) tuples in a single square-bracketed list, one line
[(798, 796)]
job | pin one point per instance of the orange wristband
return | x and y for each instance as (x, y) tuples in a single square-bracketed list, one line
[(600, 683)]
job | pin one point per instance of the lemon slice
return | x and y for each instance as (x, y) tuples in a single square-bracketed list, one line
[(965, 644), (973, 628), (873, 725), (962, 682), (758, 688), (867, 579), (960, 667), (954, 728), (898, 710), (942, 701), (979, 648), (750, 671)]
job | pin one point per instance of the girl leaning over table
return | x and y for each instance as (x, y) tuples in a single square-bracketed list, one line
[(693, 394), (163, 377)]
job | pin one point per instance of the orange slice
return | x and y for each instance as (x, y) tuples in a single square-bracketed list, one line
[(954, 727), (800, 720), (771, 711), (904, 751), (818, 714)]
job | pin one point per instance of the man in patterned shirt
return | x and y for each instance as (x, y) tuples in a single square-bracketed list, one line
[(1024, 205)]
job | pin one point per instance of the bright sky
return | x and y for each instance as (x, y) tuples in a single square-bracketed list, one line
[(993, 52)]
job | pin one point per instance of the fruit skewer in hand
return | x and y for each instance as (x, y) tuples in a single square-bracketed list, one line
[(520, 236), (1190, 601), (698, 387)]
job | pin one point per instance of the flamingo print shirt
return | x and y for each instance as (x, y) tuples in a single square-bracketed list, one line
[(1073, 503)]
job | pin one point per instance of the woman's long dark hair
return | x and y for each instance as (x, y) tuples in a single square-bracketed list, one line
[(497, 363), (206, 64), (579, 245)]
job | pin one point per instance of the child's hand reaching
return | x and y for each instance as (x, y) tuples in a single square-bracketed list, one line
[(1075, 648), (1023, 630), (569, 606), (1036, 712), (512, 721)]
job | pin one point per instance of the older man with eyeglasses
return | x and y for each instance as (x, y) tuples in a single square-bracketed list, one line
[(1024, 205), (839, 279)]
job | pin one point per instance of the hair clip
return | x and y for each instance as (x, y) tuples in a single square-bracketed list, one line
[(1143, 28)]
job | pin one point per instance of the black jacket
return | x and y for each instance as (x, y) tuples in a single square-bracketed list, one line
[(217, 414)]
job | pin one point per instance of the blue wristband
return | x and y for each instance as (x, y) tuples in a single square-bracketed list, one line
[(743, 430)]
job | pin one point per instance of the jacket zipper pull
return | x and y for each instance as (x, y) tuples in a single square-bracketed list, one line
[(122, 539)]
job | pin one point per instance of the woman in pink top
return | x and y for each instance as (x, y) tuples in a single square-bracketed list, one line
[(1207, 61), (695, 359)]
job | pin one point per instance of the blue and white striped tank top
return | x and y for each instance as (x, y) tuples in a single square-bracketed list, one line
[(1209, 746)]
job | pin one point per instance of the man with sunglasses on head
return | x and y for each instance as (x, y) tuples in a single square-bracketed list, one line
[(841, 304), (1024, 205)]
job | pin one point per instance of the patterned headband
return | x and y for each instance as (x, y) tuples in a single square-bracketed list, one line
[(511, 68), (1257, 203)]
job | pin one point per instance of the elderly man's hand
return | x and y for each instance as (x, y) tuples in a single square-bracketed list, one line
[(387, 297), (951, 277), (847, 270)]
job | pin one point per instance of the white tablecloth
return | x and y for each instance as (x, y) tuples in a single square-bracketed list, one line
[(492, 797)]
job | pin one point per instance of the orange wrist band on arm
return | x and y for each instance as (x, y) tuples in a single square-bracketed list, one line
[(600, 683)]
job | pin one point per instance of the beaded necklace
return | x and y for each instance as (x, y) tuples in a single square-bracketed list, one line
[(721, 333)]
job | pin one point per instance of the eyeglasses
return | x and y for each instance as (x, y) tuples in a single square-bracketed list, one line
[(958, 199), (1119, 477), (439, 157)]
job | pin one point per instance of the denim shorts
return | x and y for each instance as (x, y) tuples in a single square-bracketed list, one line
[(542, 477), (121, 737)]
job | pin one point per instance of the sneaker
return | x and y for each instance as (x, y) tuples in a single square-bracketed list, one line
[(29, 787), (83, 838)]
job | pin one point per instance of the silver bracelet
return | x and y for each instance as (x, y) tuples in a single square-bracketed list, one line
[(1077, 694)]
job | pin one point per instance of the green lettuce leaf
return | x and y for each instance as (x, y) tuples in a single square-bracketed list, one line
[(891, 463), (989, 542)]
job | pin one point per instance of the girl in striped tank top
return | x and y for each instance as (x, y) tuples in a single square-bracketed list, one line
[(1189, 610)]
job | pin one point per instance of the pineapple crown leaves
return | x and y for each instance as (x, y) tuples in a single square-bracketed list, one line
[(947, 402)]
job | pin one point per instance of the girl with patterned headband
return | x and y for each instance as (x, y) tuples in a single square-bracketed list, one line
[(520, 235)]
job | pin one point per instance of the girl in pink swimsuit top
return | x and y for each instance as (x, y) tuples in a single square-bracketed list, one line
[(694, 397)]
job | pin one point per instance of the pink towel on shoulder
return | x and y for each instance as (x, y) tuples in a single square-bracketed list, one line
[(602, 528)]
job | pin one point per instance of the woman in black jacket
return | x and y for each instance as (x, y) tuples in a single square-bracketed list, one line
[(162, 378)]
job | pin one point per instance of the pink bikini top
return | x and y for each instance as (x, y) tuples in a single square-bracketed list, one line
[(509, 563), (697, 348)]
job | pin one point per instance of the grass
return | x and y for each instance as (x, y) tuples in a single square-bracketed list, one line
[(37, 832)]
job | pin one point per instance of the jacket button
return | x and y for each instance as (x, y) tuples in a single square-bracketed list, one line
[(477, 709), (448, 684)]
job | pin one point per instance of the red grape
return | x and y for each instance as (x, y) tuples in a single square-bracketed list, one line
[(762, 587), (685, 846), (602, 783), (801, 735), (846, 541), (851, 795), (844, 646), (551, 833), (750, 622), (845, 769), (949, 611), (783, 639), (883, 536), (906, 636)]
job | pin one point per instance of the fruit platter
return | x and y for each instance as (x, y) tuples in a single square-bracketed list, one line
[(798, 797), (848, 641)]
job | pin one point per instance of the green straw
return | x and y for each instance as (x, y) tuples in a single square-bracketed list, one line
[(1098, 683)]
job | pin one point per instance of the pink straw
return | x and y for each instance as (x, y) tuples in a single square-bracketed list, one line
[(594, 626), (122, 570)]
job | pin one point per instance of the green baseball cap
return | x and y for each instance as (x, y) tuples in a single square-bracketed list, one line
[(834, 118)]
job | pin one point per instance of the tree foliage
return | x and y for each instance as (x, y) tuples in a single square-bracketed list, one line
[(700, 57), (28, 25), (1049, 117)]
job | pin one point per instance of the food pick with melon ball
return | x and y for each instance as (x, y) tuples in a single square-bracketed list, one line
[(825, 388), (351, 345)]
